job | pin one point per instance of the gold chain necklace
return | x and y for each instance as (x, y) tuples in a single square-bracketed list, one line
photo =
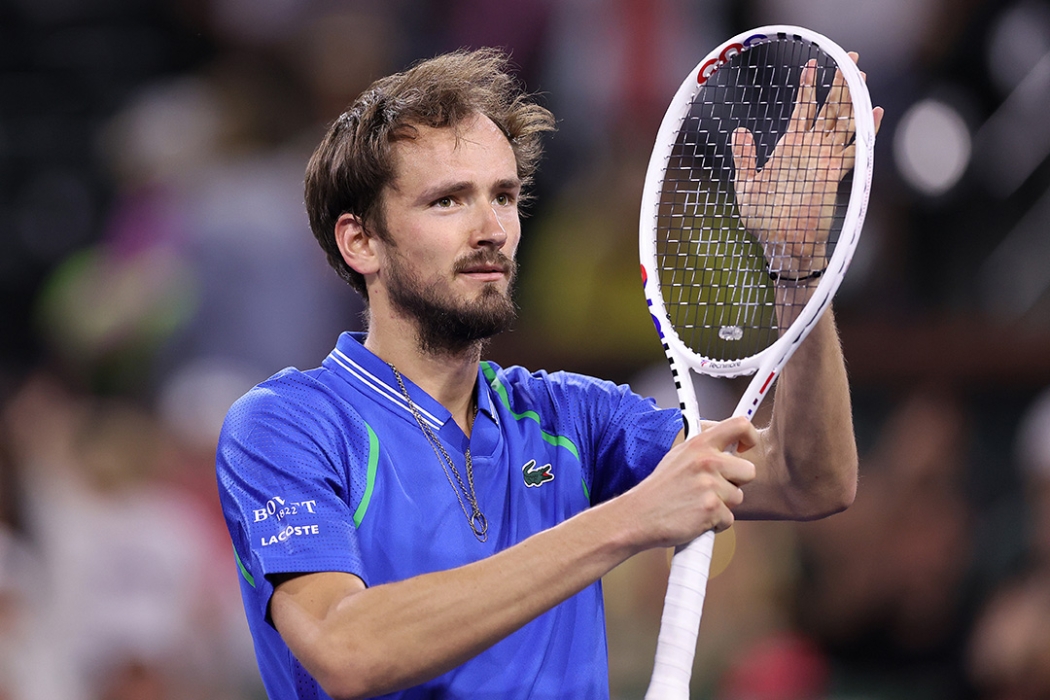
[(465, 493)]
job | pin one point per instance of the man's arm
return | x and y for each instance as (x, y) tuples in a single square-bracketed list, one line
[(359, 642), (806, 459)]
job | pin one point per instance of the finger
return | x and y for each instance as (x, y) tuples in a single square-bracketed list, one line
[(735, 496), (745, 155), (737, 471), (848, 154), (733, 431), (845, 133), (714, 490), (845, 126), (847, 158), (748, 437), (836, 104), (806, 104), (724, 521), (830, 117), (714, 506)]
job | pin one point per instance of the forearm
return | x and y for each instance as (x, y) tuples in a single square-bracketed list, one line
[(396, 635), (360, 642), (810, 449)]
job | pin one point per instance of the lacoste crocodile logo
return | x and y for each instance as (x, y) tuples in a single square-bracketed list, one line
[(534, 476)]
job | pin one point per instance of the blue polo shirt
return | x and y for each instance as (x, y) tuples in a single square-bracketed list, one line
[(327, 470)]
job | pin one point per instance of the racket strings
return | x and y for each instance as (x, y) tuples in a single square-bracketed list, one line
[(751, 199)]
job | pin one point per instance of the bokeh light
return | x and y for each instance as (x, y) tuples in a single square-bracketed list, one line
[(932, 147)]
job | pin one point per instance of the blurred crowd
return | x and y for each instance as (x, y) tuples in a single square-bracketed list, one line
[(155, 263)]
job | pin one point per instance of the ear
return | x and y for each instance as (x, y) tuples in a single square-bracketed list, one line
[(357, 247)]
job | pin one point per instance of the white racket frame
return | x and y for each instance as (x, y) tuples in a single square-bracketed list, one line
[(690, 567)]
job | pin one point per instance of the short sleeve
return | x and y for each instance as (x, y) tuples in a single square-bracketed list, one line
[(285, 463), (636, 436)]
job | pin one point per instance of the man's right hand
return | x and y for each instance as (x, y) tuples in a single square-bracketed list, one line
[(695, 486)]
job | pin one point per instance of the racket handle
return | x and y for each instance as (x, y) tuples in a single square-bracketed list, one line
[(680, 623)]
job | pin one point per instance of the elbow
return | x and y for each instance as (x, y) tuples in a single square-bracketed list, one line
[(342, 684), (848, 476), (339, 691), (346, 677), (823, 493), (340, 688), (842, 496), (831, 495), (345, 692)]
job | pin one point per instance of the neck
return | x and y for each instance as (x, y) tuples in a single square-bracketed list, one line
[(448, 377)]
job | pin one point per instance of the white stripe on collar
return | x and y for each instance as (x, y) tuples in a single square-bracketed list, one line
[(380, 387)]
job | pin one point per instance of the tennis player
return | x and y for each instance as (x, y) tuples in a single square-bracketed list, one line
[(412, 521)]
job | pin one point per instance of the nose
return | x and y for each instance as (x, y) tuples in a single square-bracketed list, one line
[(491, 229)]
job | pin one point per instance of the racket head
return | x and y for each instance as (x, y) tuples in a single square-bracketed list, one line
[(707, 278)]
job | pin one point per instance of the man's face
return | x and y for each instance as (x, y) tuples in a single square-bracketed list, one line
[(452, 213)]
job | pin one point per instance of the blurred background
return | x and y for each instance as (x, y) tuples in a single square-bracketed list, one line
[(155, 262)]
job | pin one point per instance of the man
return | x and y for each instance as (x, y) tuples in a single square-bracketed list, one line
[(409, 518)]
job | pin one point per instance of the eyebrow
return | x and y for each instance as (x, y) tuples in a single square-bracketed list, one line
[(450, 188)]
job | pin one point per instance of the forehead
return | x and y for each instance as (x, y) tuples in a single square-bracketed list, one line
[(475, 149)]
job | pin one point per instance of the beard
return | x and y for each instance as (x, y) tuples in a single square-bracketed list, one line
[(445, 325)]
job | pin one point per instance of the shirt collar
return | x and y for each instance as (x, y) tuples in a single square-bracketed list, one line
[(361, 367)]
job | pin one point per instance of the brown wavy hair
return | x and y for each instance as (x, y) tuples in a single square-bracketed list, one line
[(354, 162)]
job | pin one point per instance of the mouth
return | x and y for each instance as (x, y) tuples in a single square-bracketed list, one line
[(487, 270), (485, 275)]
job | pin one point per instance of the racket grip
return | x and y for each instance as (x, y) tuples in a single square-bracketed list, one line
[(680, 623)]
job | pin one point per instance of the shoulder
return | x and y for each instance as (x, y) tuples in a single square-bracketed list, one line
[(569, 395), (290, 403), (288, 388), (558, 387)]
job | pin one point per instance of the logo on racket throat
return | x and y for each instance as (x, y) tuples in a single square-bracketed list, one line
[(535, 476)]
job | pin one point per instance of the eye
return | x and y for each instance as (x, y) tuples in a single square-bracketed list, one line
[(504, 199), (443, 203)]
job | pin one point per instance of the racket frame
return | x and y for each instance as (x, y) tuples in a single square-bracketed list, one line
[(690, 566)]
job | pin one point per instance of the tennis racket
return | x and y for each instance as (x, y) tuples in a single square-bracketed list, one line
[(753, 204)]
